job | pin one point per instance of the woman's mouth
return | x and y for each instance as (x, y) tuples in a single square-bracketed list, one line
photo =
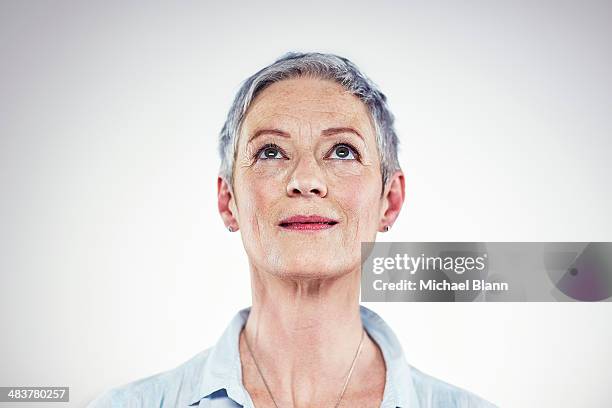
[(307, 223)]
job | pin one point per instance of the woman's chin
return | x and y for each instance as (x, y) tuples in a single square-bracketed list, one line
[(312, 268), (306, 275), (307, 259)]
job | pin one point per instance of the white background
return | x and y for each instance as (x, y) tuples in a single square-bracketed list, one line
[(115, 265)]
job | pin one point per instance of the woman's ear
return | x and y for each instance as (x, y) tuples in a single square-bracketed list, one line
[(226, 204), (393, 199)]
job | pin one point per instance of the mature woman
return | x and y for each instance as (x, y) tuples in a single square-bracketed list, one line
[(309, 170)]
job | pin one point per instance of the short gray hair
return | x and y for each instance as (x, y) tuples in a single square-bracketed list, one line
[(318, 65)]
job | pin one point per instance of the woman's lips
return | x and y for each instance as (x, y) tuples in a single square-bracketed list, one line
[(307, 223)]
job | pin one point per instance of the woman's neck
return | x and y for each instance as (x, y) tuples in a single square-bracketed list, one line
[(304, 334)]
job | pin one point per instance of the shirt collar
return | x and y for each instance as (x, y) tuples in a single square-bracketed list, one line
[(223, 371)]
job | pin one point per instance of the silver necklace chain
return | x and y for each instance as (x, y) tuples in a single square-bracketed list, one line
[(348, 377)]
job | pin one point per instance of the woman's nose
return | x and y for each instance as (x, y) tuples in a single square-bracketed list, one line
[(307, 180)]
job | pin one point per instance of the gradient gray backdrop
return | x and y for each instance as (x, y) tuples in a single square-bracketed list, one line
[(115, 265)]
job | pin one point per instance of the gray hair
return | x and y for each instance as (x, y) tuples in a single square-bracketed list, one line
[(323, 66)]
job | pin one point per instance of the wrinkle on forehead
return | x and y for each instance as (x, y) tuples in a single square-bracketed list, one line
[(315, 103)]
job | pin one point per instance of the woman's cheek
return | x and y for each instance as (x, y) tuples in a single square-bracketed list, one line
[(267, 178), (358, 194), (353, 180), (360, 198), (264, 189)]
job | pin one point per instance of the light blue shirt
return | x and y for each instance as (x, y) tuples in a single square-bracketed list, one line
[(213, 378)]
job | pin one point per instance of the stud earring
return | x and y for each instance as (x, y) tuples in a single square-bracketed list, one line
[(387, 228), (230, 229)]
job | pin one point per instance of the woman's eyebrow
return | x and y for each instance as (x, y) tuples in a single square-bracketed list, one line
[(260, 132), (325, 132), (336, 130)]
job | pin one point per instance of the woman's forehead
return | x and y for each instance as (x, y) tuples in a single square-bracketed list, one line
[(316, 103)]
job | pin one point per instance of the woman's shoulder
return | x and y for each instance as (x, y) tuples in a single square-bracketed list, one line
[(433, 392), (173, 387)]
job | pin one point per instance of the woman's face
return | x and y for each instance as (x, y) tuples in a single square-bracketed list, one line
[(307, 148)]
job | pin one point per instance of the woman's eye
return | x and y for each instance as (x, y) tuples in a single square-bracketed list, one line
[(270, 152), (343, 152)]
